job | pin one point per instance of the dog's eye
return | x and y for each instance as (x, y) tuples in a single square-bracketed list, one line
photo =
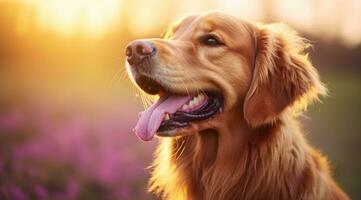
[(210, 40)]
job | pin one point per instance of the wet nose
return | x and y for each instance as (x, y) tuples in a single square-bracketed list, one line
[(137, 51)]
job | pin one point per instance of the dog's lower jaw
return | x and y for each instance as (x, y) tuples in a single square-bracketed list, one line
[(237, 162)]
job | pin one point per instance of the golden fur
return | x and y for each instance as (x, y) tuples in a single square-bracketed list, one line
[(255, 148)]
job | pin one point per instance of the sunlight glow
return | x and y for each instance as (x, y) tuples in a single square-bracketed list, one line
[(143, 17), (67, 16)]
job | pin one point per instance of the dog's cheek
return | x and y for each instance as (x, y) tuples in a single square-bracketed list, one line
[(236, 71), (233, 73)]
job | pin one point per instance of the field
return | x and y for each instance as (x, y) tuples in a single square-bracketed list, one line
[(68, 137)]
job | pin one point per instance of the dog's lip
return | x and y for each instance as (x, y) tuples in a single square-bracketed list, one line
[(153, 86), (149, 84)]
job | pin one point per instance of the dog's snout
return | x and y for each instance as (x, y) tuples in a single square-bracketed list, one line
[(137, 51)]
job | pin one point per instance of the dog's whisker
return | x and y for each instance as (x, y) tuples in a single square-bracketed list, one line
[(177, 150), (123, 72), (186, 88), (111, 82), (198, 89), (182, 148), (142, 98)]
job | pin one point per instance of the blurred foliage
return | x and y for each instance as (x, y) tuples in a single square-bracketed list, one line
[(335, 129)]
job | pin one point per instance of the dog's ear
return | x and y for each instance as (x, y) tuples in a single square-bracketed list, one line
[(282, 75)]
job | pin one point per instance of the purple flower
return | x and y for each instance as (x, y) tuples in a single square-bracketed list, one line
[(64, 150), (16, 193), (41, 192)]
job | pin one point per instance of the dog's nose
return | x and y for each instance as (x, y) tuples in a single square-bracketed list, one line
[(137, 51)]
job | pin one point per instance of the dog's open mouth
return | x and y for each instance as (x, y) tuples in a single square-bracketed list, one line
[(199, 107), (175, 111)]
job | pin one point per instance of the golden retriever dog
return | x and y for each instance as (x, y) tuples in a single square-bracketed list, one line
[(230, 94)]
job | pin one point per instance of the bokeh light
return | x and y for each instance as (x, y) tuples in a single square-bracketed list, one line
[(67, 107)]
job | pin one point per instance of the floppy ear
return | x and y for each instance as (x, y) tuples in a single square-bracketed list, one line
[(282, 75)]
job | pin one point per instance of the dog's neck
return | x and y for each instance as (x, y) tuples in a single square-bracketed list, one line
[(233, 161)]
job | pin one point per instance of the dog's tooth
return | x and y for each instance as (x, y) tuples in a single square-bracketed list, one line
[(220, 109), (191, 104), (190, 101), (201, 98), (166, 116), (195, 101), (199, 101)]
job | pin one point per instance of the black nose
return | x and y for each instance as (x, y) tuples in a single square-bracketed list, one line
[(137, 51)]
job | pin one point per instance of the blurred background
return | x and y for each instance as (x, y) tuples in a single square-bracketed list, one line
[(67, 108)]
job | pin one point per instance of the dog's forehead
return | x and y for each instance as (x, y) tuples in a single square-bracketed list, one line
[(216, 20), (209, 22), (185, 25)]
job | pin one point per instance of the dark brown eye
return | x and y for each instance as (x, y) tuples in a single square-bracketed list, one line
[(210, 40)]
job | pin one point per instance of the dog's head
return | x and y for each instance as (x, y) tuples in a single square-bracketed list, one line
[(210, 65)]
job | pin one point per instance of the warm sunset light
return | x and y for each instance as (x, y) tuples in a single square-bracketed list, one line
[(68, 107), (92, 18), (67, 16)]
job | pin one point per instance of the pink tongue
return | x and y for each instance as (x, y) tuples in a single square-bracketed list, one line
[(151, 118)]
